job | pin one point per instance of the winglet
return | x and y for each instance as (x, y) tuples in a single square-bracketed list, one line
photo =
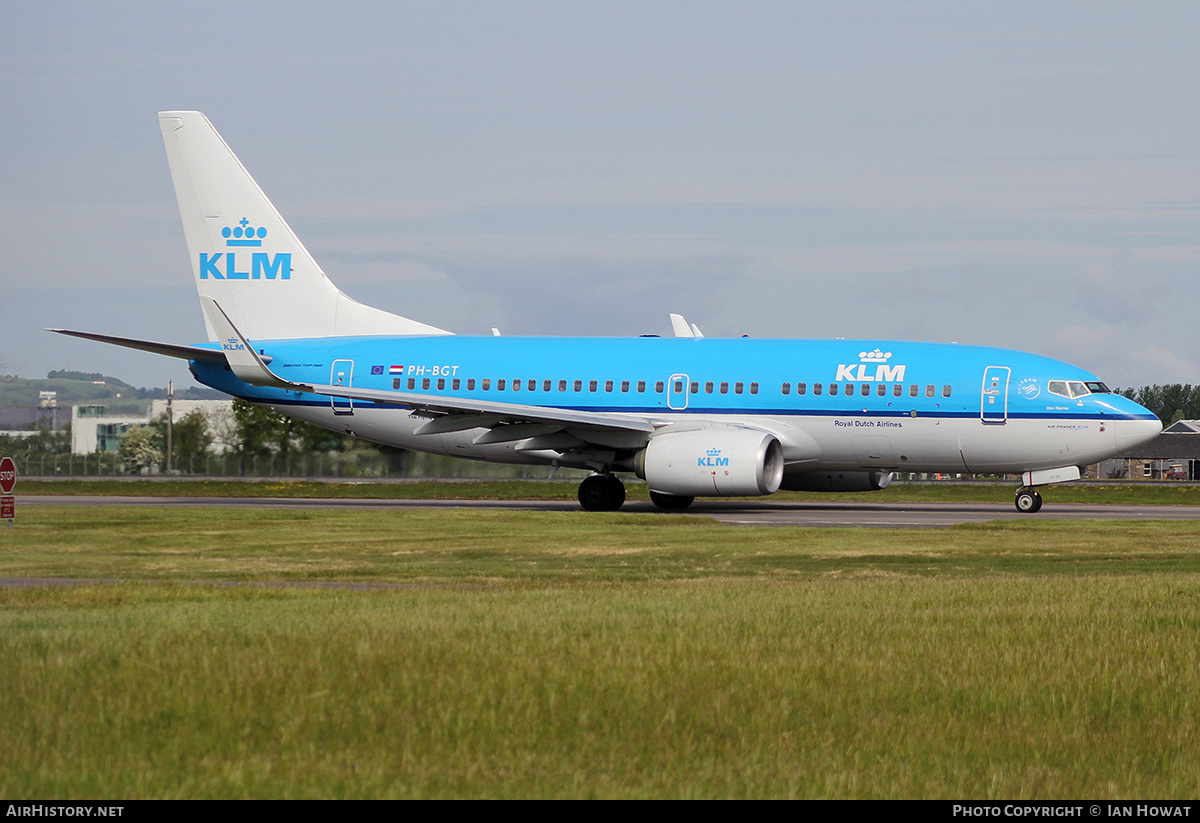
[(241, 356), (680, 327)]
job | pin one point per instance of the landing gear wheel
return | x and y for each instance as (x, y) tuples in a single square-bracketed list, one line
[(601, 493), (671, 502), (1028, 500)]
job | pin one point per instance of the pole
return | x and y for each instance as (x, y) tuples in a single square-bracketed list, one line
[(170, 421)]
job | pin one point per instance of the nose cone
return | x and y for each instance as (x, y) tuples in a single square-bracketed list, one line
[(1132, 433)]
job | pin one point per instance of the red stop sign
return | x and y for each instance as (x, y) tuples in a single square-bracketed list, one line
[(8, 475)]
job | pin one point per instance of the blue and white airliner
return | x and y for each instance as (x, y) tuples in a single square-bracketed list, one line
[(693, 416)]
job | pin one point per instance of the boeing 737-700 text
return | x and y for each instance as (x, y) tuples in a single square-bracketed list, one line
[(693, 416)]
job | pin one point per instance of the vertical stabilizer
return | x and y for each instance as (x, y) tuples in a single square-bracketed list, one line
[(246, 257)]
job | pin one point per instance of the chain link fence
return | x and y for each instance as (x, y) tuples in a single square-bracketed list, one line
[(365, 464)]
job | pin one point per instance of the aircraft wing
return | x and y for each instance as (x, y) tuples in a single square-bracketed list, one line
[(502, 418)]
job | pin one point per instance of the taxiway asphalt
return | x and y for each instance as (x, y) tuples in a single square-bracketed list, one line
[(737, 512)]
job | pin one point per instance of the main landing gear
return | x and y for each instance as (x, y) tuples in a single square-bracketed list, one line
[(1028, 500), (601, 493)]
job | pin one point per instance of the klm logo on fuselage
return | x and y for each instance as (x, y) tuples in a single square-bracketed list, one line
[(712, 458), (872, 367), (263, 265)]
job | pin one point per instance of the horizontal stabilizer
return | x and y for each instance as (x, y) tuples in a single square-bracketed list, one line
[(169, 349)]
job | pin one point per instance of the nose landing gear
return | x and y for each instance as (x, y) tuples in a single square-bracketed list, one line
[(1028, 500)]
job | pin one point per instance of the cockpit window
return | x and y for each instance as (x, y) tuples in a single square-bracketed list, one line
[(1072, 388), (1096, 387)]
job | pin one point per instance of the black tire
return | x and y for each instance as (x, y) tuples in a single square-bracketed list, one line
[(671, 502), (1028, 501), (601, 493)]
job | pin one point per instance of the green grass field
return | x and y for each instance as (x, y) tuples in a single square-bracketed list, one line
[(517, 654)]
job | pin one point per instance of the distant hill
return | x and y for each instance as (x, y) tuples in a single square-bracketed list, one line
[(20, 406), (94, 377)]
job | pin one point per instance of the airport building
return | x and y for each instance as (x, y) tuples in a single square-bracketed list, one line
[(1173, 455), (94, 430)]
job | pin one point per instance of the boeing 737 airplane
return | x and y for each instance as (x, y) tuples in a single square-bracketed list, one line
[(693, 416)]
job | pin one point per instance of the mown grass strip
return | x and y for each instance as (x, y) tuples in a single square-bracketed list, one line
[(526, 548)]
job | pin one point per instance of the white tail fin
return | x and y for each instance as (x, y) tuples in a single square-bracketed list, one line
[(246, 257)]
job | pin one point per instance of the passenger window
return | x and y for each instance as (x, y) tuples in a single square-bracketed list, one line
[(425, 383), (624, 385), (786, 388), (866, 389), (578, 385), (850, 389), (441, 384), (737, 388), (412, 383), (562, 385), (485, 384), (592, 385), (754, 388), (455, 384), (800, 387), (897, 390), (533, 385), (679, 387), (471, 384), (395, 383), (708, 388), (659, 386), (724, 388), (945, 391), (500, 384), (912, 390), (608, 384), (816, 388), (929, 391), (641, 387), (695, 386), (882, 390), (516, 384)]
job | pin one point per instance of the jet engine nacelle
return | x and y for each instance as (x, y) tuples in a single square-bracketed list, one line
[(837, 481), (722, 461)]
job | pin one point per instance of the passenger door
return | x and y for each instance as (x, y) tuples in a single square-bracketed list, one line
[(342, 374), (993, 406)]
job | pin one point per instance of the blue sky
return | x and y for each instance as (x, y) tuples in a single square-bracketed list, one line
[(1018, 174)]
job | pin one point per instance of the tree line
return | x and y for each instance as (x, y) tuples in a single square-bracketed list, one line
[(1170, 403)]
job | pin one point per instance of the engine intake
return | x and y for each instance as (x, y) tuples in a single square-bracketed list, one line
[(723, 461)]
